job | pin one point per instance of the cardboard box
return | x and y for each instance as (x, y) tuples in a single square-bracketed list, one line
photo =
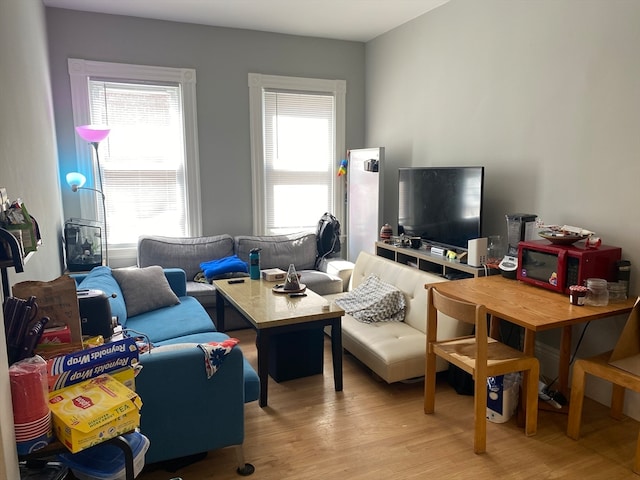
[(273, 274), (90, 357), (57, 335), (127, 376), (93, 411), (68, 378)]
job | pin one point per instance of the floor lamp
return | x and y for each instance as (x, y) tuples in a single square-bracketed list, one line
[(93, 134)]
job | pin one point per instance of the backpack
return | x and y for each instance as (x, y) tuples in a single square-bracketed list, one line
[(328, 236)]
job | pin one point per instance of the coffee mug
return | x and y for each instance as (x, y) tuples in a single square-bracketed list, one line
[(416, 242)]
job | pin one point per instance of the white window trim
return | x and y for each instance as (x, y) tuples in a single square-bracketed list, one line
[(257, 84), (81, 70)]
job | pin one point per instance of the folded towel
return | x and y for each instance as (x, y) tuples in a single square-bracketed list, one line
[(214, 353), (220, 266)]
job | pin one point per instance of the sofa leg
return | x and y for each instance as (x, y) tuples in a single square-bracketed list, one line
[(244, 469)]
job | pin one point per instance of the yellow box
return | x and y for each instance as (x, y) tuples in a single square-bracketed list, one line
[(93, 411), (126, 376)]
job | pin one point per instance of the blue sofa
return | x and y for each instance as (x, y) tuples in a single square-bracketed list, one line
[(184, 412)]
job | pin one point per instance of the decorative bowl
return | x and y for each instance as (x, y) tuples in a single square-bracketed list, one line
[(561, 238)]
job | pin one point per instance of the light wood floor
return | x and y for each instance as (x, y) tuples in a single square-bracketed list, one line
[(373, 430)]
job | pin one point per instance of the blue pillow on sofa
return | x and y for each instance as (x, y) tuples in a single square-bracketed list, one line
[(100, 278), (230, 264)]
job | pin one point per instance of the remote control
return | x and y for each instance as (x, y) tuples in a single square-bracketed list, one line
[(237, 280), (297, 295)]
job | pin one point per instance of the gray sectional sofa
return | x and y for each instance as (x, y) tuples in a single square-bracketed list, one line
[(277, 251)]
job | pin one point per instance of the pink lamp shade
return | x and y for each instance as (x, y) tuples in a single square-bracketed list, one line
[(93, 133)]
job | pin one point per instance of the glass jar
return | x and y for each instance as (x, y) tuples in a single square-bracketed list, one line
[(598, 294), (617, 291), (577, 294)]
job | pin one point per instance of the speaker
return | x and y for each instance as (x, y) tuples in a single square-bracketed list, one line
[(95, 313), (477, 252)]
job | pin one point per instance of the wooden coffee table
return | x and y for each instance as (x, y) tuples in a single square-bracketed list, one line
[(273, 313)]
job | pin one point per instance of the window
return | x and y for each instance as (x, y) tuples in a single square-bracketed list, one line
[(149, 160), (297, 135)]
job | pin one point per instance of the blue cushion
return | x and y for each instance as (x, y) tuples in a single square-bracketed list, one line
[(229, 264), (100, 278), (186, 318)]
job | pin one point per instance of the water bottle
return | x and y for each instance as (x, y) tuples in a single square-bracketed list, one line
[(254, 263)]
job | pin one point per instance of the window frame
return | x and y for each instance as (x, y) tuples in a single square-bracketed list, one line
[(80, 71), (257, 84)]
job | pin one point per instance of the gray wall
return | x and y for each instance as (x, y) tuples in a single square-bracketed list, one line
[(222, 59), (28, 165), (545, 94)]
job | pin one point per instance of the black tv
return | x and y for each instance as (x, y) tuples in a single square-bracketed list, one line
[(442, 205)]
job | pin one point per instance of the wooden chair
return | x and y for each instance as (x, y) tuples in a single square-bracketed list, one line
[(599, 366), (479, 355)]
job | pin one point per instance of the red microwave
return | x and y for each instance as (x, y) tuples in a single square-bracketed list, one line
[(556, 267)]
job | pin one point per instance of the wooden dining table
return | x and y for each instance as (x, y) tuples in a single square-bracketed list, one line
[(535, 309)]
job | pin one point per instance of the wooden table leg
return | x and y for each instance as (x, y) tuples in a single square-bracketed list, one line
[(494, 327), (529, 347), (565, 358)]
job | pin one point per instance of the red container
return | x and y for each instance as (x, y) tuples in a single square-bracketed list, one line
[(29, 390)]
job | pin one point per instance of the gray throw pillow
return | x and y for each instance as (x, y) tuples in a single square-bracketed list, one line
[(144, 289)]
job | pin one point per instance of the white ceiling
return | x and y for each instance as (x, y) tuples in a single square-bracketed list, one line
[(357, 20)]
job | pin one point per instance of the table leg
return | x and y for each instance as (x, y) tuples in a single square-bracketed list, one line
[(494, 327), (565, 358), (219, 311), (262, 347), (336, 352), (529, 347)]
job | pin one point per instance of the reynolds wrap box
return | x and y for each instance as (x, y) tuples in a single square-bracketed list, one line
[(93, 411), (71, 377), (90, 357)]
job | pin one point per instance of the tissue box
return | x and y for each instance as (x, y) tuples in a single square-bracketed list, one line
[(93, 411), (273, 274)]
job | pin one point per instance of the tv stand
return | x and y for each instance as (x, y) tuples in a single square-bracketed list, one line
[(425, 260)]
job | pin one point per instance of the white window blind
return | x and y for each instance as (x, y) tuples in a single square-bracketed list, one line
[(299, 159), (150, 166), (143, 158), (297, 142)]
